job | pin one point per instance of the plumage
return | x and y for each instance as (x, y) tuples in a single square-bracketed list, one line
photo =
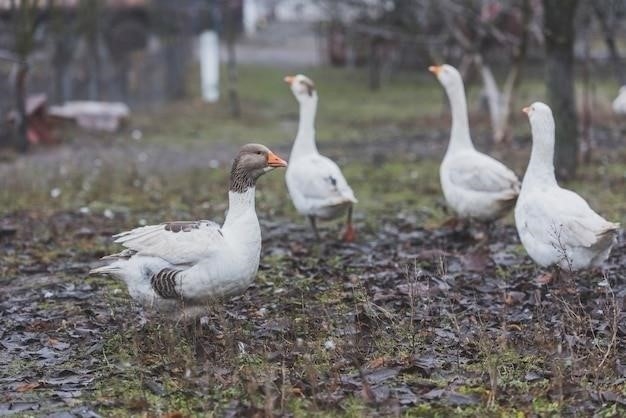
[(175, 246), (619, 104), (184, 264), (316, 184), (475, 185), (556, 225)]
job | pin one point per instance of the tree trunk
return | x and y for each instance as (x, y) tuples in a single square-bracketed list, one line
[(494, 97), (374, 63), (94, 67), (586, 92), (231, 33), (89, 16), (62, 31), (174, 54), (608, 31), (20, 138), (24, 20), (512, 79), (559, 39)]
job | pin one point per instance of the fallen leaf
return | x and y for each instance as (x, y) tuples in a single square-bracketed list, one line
[(27, 387), (176, 414), (544, 278), (376, 363)]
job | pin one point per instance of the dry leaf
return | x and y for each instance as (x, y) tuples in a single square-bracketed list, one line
[(27, 387)]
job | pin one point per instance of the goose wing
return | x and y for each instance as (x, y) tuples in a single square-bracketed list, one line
[(318, 178), (564, 218), (179, 242), (480, 173)]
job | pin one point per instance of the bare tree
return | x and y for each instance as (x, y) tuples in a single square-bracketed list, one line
[(559, 41), (231, 29), (24, 15), (89, 14), (475, 28), (604, 11), (63, 31)]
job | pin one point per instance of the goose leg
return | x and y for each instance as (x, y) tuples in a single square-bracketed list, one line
[(479, 232), (314, 227), (350, 234)]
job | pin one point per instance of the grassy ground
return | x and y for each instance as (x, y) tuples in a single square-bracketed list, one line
[(412, 320)]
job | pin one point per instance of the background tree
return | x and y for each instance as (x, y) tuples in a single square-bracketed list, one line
[(89, 16), (483, 29), (231, 29), (606, 12), (24, 15), (559, 44), (63, 32)]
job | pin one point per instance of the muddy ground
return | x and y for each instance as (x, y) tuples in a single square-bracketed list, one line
[(414, 319)]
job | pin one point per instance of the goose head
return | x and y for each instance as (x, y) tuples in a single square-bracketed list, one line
[(302, 87), (251, 162), (447, 75), (541, 119)]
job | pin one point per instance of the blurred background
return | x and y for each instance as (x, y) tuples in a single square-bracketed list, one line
[(147, 53), (146, 82)]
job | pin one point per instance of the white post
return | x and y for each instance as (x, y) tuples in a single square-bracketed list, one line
[(250, 16), (209, 50)]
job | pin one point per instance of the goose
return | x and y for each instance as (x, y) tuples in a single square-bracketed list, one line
[(316, 185), (475, 185), (184, 264), (619, 104), (556, 226)]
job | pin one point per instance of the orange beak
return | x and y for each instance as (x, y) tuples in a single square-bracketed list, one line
[(526, 110), (274, 160), (435, 69), (288, 79)]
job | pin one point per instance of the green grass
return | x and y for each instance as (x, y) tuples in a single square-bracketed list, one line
[(348, 110)]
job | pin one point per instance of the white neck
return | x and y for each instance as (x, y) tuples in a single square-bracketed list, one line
[(540, 168), (240, 205), (460, 138), (305, 139)]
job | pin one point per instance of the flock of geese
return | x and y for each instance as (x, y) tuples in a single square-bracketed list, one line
[(178, 265)]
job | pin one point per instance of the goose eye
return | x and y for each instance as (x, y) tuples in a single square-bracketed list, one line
[(259, 152)]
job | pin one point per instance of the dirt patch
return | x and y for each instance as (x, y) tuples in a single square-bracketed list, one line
[(407, 318)]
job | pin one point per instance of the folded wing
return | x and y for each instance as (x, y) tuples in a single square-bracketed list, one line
[(567, 219), (319, 179), (481, 173), (182, 242)]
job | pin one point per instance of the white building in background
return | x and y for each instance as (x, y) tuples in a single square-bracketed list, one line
[(257, 13), (298, 10)]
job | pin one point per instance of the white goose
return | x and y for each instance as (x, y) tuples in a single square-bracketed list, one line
[(556, 226), (475, 185), (619, 104), (316, 185), (184, 264)]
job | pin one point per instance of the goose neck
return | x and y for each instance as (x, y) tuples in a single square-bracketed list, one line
[(240, 205), (460, 138), (541, 165), (305, 138)]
